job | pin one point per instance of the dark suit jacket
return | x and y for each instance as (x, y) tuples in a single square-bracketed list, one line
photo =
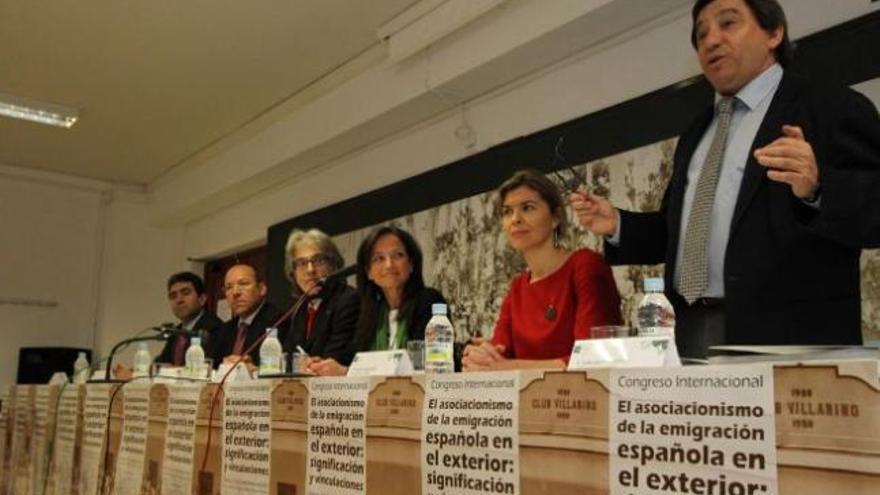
[(334, 324), (225, 335), (204, 328), (791, 272)]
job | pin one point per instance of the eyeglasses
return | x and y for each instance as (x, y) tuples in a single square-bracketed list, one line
[(576, 179), (318, 261)]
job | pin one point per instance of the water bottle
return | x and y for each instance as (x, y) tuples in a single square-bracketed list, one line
[(81, 369), (194, 359), (142, 361), (270, 354), (655, 313), (439, 338)]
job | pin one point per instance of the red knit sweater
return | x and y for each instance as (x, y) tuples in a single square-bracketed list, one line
[(583, 294)]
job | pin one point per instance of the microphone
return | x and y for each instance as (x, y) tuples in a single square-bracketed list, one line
[(338, 275), (167, 333), (164, 326), (169, 330), (164, 333)]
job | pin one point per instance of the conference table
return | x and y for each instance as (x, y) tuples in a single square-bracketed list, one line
[(791, 428)]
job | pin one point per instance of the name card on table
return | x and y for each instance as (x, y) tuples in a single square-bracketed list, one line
[(381, 363), (133, 446), (65, 439), (177, 466), (22, 440), (247, 437), (6, 428), (45, 405), (337, 447), (96, 413), (631, 352), (470, 434), (707, 429)]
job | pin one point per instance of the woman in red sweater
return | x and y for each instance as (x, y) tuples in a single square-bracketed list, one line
[(557, 299)]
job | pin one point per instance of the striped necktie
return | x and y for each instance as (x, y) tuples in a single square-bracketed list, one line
[(180, 346), (238, 348)]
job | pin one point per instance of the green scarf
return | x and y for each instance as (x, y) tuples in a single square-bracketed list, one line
[(383, 330)]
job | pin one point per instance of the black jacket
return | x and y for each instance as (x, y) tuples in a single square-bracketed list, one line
[(791, 272), (333, 328), (225, 335)]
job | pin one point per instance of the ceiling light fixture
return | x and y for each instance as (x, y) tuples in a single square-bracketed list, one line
[(37, 111)]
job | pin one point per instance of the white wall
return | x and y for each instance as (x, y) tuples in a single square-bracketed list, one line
[(89, 251), (137, 260), (49, 247)]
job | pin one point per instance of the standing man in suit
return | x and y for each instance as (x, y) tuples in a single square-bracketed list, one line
[(245, 292), (186, 296), (772, 197), (324, 327)]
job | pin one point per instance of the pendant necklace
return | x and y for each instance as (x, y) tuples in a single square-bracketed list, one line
[(550, 313)]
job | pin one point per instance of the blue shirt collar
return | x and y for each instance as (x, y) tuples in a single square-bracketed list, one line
[(759, 88)]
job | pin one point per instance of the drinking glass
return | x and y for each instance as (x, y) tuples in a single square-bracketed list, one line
[(416, 351)]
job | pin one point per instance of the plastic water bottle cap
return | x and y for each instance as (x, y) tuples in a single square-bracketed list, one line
[(196, 341), (81, 355), (273, 332), (438, 309), (142, 345), (654, 284)]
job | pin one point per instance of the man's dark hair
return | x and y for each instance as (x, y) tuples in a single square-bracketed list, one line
[(769, 15), (190, 277)]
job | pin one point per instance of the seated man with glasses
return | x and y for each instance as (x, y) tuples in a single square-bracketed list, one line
[(325, 325)]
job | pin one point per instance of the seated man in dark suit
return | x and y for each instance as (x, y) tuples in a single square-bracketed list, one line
[(186, 296), (325, 325), (251, 315)]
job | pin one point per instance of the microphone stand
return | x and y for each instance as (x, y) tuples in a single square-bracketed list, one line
[(164, 334)]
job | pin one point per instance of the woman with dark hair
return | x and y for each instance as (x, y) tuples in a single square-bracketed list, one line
[(395, 304), (325, 324), (559, 297)]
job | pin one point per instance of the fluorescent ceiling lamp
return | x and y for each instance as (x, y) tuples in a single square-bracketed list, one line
[(37, 111)]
